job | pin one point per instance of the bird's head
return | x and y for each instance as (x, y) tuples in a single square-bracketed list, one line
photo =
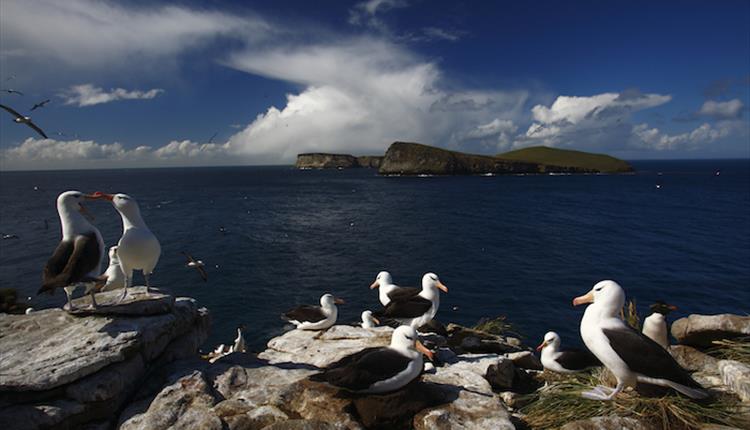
[(327, 300), (661, 307), (367, 315), (606, 293), (383, 278), (550, 339), (430, 281), (72, 201), (405, 338), (122, 202)]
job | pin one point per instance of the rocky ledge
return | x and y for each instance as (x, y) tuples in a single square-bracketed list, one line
[(59, 370), (321, 160)]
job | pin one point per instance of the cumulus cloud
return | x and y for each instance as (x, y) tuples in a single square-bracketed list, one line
[(722, 110), (653, 138), (89, 95), (82, 154)]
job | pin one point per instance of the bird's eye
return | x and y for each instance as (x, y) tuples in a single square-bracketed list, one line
[(434, 278), (598, 289), (78, 196)]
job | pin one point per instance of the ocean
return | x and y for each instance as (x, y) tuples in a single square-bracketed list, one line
[(520, 246)]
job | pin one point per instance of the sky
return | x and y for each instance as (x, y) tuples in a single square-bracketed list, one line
[(188, 83)]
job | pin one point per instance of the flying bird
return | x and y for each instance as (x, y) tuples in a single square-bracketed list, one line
[(212, 137), (20, 119), (40, 104), (197, 264), (12, 91)]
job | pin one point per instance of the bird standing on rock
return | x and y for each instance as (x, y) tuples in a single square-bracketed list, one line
[(138, 248), (77, 258), (416, 311), (308, 317)]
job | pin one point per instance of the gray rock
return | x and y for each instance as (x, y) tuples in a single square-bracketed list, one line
[(304, 425), (109, 383), (701, 330), (474, 405), (736, 376), (462, 340), (186, 404), (320, 349), (501, 375), (607, 423), (525, 360), (693, 360), (137, 302)]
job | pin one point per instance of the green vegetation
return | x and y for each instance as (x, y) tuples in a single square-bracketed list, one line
[(498, 326), (560, 402), (564, 157)]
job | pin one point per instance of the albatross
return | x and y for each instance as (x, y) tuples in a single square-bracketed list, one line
[(369, 321), (77, 258), (628, 354), (655, 325), (115, 277), (138, 248), (379, 369), (418, 310), (564, 361), (20, 119), (308, 317), (389, 291)]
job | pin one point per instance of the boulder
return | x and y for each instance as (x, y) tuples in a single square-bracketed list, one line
[(304, 425), (138, 301), (321, 348), (736, 376), (693, 360), (60, 370), (462, 339), (701, 330), (525, 360), (607, 423)]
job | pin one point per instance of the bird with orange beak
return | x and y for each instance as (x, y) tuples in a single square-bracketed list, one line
[(416, 311), (564, 361), (309, 317), (629, 355)]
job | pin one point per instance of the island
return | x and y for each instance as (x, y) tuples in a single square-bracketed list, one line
[(408, 158), (322, 160)]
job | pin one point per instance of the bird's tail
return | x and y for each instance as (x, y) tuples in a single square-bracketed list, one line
[(318, 377), (693, 393)]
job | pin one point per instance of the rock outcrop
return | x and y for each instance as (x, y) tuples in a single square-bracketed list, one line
[(59, 370), (701, 330), (320, 160)]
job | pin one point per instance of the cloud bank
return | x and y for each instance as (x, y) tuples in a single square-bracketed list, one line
[(89, 95)]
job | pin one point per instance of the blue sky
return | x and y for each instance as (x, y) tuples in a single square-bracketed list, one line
[(149, 83)]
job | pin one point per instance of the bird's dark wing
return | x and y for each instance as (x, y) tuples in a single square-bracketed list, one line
[(644, 356), (38, 130), (189, 257), (71, 262), (305, 313), (16, 114), (576, 359), (361, 370), (202, 272), (410, 308), (403, 293)]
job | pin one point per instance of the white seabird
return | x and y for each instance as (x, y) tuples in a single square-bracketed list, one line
[(379, 369), (138, 248), (77, 258), (308, 317), (628, 354), (655, 325), (369, 321), (115, 277), (389, 291), (564, 361), (20, 119), (239, 341), (416, 311)]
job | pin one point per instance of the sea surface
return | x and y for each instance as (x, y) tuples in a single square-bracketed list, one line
[(520, 246)]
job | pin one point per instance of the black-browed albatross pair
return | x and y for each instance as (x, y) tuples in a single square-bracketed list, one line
[(410, 309)]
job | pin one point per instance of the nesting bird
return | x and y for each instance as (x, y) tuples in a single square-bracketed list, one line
[(138, 248), (418, 310), (309, 317), (369, 321), (564, 361), (388, 291), (115, 277), (77, 258), (655, 325), (628, 354), (379, 369)]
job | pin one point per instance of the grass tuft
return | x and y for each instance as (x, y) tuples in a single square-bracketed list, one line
[(560, 402), (499, 326), (630, 315), (731, 349)]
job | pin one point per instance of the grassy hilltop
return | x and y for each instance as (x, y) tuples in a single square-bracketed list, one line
[(565, 157)]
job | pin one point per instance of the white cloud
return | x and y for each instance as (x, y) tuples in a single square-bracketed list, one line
[(576, 109), (435, 33), (722, 110), (89, 95), (81, 154), (653, 138), (365, 13)]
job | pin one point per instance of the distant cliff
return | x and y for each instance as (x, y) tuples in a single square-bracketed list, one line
[(320, 160), (404, 158)]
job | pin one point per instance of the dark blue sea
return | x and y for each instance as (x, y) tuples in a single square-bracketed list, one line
[(521, 246)]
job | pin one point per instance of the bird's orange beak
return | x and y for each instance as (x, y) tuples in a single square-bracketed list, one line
[(586, 298), (101, 195), (374, 285), (672, 307), (442, 286), (338, 301), (377, 321), (541, 346), (423, 349)]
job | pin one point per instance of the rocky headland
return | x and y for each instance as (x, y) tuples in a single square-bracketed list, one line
[(320, 160), (140, 369)]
